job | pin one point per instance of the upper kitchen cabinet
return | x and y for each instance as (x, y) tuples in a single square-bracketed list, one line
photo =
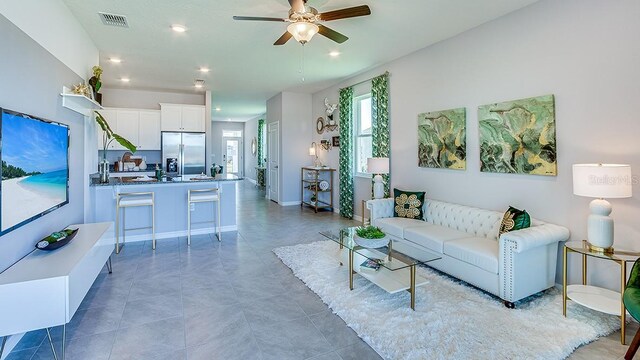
[(182, 118), (111, 116), (149, 130), (128, 122)]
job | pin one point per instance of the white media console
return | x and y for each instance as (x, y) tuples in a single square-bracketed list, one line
[(45, 288)]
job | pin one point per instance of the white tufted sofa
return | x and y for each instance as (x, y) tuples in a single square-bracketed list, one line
[(518, 264)]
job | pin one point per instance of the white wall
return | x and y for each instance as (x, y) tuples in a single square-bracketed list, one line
[(586, 52), (52, 25), (251, 161), (148, 99), (292, 110)]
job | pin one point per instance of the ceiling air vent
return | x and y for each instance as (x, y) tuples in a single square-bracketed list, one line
[(114, 20)]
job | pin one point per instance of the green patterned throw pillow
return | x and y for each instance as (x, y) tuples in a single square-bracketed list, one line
[(408, 204), (514, 219)]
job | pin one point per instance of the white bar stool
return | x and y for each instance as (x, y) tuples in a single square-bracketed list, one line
[(200, 196), (134, 199)]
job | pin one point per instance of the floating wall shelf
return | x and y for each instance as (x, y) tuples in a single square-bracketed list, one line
[(78, 103)]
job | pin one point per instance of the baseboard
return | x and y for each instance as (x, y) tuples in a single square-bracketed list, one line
[(254, 182), (171, 234), (290, 203)]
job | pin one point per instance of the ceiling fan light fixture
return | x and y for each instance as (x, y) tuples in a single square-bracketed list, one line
[(303, 31)]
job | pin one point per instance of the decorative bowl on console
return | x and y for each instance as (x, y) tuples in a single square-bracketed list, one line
[(57, 239)]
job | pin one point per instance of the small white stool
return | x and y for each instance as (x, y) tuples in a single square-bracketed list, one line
[(200, 196), (134, 199)]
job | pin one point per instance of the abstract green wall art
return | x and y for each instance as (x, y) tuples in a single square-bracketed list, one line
[(442, 139), (518, 137)]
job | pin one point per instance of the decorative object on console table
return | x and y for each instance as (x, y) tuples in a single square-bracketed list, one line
[(57, 239), (378, 166), (593, 297), (442, 139), (317, 187), (601, 181), (313, 151), (519, 137)]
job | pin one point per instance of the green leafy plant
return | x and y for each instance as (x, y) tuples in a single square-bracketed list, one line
[(370, 232), (108, 135)]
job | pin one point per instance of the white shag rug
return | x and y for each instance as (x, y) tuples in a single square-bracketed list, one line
[(451, 321)]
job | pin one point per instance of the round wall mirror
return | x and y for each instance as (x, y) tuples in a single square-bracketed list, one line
[(320, 125), (254, 146)]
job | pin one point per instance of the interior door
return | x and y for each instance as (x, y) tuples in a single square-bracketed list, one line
[(273, 160), (232, 155)]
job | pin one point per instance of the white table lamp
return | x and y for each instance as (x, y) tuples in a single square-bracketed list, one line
[(313, 151), (601, 181), (378, 165)]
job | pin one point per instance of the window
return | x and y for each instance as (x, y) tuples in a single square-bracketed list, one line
[(231, 133), (362, 133)]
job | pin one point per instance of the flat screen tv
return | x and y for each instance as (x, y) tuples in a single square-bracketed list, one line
[(35, 168)]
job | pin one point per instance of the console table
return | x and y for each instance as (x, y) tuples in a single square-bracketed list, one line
[(45, 288), (311, 190)]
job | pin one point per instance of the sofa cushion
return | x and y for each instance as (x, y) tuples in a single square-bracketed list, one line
[(432, 236), (477, 251), (514, 219), (395, 225), (408, 204)]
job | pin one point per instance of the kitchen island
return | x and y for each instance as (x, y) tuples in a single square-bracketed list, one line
[(170, 205)]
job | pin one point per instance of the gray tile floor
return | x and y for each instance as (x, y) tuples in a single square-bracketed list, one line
[(229, 300)]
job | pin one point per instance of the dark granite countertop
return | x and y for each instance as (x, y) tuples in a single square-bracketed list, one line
[(187, 179)]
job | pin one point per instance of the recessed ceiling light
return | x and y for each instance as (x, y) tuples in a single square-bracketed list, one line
[(218, 108), (125, 79), (115, 60), (334, 53), (178, 28), (204, 70)]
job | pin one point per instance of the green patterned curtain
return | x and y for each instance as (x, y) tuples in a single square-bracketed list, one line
[(380, 121), (260, 143), (346, 152)]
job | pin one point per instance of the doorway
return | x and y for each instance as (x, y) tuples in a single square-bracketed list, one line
[(273, 161), (232, 152)]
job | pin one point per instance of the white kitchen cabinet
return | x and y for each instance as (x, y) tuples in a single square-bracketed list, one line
[(187, 118), (171, 117), (193, 118), (128, 123), (110, 115), (149, 130)]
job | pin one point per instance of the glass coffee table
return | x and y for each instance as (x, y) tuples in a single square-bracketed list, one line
[(398, 262)]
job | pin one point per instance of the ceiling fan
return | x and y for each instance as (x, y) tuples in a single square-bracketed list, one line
[(305, 22)]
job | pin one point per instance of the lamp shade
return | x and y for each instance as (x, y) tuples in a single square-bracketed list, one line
[(312, 149), (303, 31), (378, 165), (602, 180)]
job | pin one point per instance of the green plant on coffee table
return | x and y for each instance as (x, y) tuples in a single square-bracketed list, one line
[(370, 232)]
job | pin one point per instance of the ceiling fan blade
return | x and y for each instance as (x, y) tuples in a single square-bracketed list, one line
[(257, 18), (283, 39), (297, 5), (332, 34), (355, 11)]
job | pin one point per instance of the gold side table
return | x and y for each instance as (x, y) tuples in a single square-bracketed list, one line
[(593, 297)]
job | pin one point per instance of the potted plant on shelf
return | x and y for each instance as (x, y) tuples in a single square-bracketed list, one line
[(96, 84), (370, 237), (107, 137)]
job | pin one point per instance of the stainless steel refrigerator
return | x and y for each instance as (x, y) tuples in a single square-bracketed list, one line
[(183, 153)]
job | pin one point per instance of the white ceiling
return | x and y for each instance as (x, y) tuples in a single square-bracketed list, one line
[(246, 69)]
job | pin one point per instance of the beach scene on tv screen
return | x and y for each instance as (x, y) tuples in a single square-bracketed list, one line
[(34, 168)]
